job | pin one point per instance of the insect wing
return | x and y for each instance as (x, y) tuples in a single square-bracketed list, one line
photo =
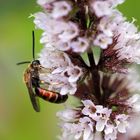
[(33, 97)]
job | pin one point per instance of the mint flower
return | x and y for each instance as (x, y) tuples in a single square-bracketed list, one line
[(109, 115), (60, 65), (108, 89)]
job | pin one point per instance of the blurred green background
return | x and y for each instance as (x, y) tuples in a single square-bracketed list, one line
[(18, 120)]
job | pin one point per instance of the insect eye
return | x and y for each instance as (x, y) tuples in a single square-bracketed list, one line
[(35, 63)]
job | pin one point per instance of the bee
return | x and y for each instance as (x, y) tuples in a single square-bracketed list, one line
[(32, 81)]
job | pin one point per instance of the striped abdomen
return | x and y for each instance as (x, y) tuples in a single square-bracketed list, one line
[(51, 96)]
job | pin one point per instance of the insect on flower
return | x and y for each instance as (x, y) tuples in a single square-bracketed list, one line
[(33, 82)]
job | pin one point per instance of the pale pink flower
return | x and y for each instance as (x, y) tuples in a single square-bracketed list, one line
[(74, 73), (101, 8), (102, 41), (109, 128), (96, 112), (63, 46), (88, 128), (60, 9), (114, 3), (60, 65), (101, 116), (134, 102), (68, 89), (41, 20), (70, 32), (43, 2), (69, 115), (122, 122), (89, 107), (111, 136), (93, 118), (79, 45)]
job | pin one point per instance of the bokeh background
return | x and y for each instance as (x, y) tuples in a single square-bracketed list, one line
[(18, 120)]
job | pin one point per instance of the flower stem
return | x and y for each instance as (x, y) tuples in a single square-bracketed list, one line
[(95, 77)]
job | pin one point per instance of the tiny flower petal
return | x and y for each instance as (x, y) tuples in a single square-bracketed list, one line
[(60, 9), (100, 125), (122, 123), (102, 41), (109, 129), (80, 45), (70, 32), (101, 8)]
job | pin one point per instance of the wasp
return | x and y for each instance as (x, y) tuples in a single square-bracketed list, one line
[(32, 81), (50, 96)]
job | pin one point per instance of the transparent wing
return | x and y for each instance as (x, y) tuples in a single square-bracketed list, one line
[(33, 97)]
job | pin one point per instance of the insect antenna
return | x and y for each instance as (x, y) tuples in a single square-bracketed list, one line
[(33, 45), (24, 62)]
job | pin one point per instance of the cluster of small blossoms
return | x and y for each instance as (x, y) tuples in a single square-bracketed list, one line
[(78, 25), (107, 90), (63, 73), (106, 121), (92, 118)]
